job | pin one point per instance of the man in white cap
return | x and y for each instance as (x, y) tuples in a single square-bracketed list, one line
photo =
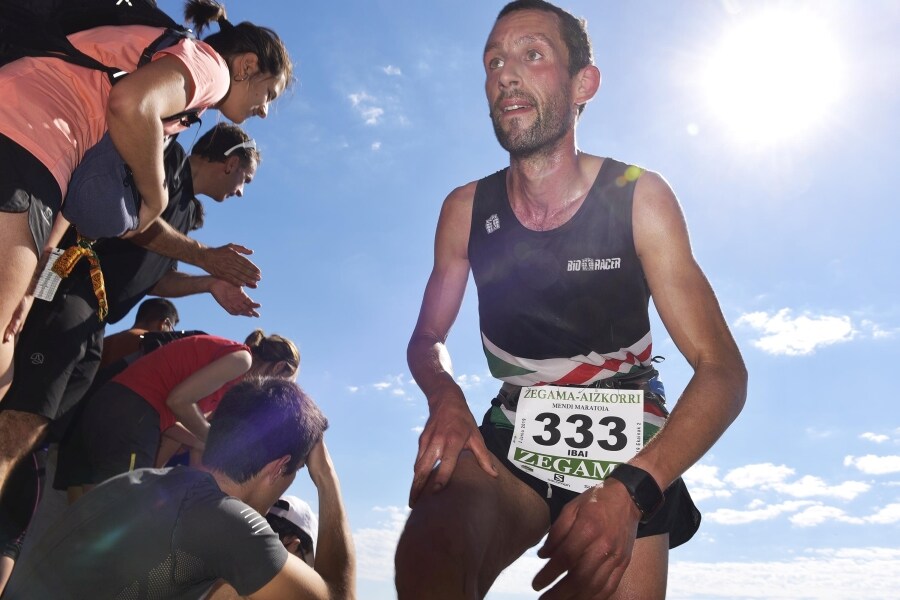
[(296, 524)]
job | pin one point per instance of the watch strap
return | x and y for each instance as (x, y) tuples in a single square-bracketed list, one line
[(643, 489)]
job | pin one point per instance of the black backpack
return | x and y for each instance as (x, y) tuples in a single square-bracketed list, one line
[(104, 200), (39, 28)]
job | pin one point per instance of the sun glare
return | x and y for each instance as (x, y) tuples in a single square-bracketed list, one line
[(774, 77)]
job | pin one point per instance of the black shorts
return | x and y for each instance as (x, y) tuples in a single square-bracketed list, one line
[(57, 356), (27, 185), (678, 516), (121, 432)]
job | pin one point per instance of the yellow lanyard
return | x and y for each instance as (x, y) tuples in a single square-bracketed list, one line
[(68, 260)]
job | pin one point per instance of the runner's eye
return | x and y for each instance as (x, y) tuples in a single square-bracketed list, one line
[(533, 55), (495, 63)]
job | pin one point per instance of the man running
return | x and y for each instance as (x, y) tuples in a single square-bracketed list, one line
[(566, 250)]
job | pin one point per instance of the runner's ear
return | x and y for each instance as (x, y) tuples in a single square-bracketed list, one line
[(231, 164), (278, 467), (587, 82)]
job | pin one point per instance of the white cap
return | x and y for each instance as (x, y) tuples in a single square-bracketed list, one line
[(297, 513)]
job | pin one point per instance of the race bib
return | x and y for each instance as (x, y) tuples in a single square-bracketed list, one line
[(48, 281), (573, 437)]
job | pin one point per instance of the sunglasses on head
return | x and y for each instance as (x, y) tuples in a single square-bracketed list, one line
[(249, 144)]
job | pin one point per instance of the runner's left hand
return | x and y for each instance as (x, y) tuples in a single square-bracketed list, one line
[(592, 541), (233, 299)]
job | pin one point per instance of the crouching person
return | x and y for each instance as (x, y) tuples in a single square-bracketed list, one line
[(173, 533)]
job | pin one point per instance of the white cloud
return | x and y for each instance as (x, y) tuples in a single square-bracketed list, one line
[(398, 392), (755, 476), (381, 385), (849, 574), (818, 434), (392, 70), (516, 579), (816, 515), (376, 146), (375, 546), (467, 382), (785, 334), (874, 465), (352, 388), (730, 516), (418, 428), (365, 106), (704, 483), (703, 476), (886, 516), (700, 494), (878, 438), (770, 477), (809, 486), (876, 331)]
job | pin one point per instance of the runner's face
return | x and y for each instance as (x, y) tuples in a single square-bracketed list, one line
[(251, 96), (527, 82), (234, 176)]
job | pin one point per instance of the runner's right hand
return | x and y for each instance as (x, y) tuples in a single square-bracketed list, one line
[(450, 429)]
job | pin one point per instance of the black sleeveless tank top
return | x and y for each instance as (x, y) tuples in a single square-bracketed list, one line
[(565, 306)]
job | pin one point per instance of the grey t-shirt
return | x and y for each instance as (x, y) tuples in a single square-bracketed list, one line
[(150, 534)]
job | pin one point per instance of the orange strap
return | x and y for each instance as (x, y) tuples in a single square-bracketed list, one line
[(65, 263)]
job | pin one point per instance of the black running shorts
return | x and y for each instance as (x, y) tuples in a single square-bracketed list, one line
[(678, 516), (27, 185)]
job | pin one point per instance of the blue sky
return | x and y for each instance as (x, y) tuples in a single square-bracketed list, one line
[(789, 188)]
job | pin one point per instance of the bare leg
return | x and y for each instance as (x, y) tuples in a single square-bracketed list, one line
[(20, 432), (6, 569), (647, 574), (16, 270), (457, 541)]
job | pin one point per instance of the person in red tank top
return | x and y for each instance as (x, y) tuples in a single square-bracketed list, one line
[(174, 389)]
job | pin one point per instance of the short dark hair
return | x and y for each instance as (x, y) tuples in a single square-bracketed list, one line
[(156, 309), (213, 144), (260, 420), (572, 30)]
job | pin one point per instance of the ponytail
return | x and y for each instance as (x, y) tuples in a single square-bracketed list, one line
[(203, 13), (273, 349), (232, 40)]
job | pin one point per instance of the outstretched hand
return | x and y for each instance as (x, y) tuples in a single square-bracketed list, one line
[(233, 299), (229, 263), (592, 541), (450, 429)]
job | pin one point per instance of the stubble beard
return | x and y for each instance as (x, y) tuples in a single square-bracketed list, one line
[(549, 126)]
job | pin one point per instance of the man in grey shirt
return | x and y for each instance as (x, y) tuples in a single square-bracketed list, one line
[(172, 533)]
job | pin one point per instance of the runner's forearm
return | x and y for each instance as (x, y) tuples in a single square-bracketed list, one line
[(164, 239), (176, 284), (430, 365), (711, 401), (335, 557)]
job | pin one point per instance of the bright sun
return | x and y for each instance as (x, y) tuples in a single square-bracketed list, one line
[(774, 77)]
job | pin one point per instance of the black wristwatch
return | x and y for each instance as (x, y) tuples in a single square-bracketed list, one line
[(642, 488)]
